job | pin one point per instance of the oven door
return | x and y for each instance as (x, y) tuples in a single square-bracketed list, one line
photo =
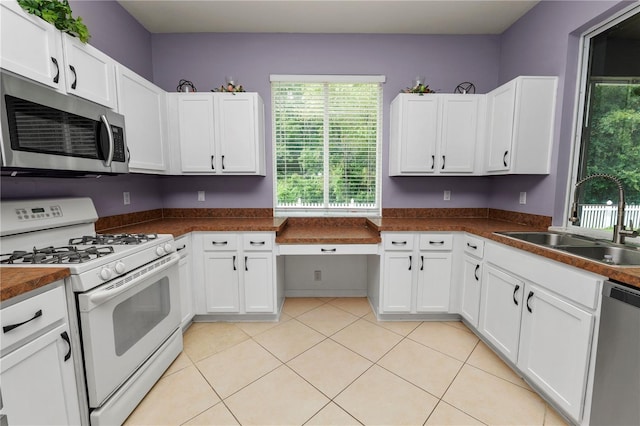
[(124, 321)]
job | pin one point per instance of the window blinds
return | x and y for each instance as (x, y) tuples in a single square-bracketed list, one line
[(327, 143)]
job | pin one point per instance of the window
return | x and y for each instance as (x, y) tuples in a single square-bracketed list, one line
[(326, 133), (610, 125)]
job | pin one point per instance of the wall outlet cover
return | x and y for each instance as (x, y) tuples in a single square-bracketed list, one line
[(523, 198), (126, 197), (447, 195), (200, 195)]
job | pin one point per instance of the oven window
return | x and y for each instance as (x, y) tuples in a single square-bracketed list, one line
[(139, 314)]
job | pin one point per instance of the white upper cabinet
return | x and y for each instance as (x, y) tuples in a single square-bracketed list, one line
[(90, 74), (433, 134), (520, 124), (37, 52), (144, 106), (218, 133)]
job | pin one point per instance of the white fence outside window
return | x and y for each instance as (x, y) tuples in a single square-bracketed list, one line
[(600, 216)]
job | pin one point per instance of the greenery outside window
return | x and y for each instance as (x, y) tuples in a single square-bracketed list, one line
[(609, 131), (326, 134)]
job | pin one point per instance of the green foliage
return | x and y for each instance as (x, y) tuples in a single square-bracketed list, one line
[(613, 142), (58, 13)]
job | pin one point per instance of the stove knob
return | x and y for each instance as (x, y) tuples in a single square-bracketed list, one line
[(120, 268), (160, 251), (169, 248), (105, 273)]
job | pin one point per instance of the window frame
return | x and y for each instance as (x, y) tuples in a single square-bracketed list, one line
[(328, 211), (581, 98)]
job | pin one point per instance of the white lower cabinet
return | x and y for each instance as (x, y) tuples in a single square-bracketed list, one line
[(471, 286), (416, 273), (183, 246), (237, 272), (540, 315), (37, 365)]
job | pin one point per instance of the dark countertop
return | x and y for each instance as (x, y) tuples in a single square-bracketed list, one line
[(18, 280)]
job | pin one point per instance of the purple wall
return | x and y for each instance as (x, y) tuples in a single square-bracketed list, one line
[(545, 41), (115, 32), (206, 59)]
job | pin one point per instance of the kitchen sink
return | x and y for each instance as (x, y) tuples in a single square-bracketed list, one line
[(597, 250), (551, 239), (613, 255)]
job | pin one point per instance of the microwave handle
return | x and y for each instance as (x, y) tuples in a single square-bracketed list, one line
[(109, 159)]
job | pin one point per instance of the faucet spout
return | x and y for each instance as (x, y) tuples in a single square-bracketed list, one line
[(619, 231)]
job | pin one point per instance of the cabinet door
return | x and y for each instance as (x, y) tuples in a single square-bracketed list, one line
[(471, 286), (237, 132), (434, 282), (144, 108), (38, 384), (501, 310), (222, 282), (195, 122), (258, 282), (186, 293), (501, 103), (29, 46), (418, 134), (555, 344), (90, 74), (397, 284), (459, 133)]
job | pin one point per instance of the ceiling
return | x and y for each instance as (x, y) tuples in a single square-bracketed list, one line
[(328, 16)]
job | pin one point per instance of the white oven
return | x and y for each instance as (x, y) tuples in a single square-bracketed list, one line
[(126, 320)]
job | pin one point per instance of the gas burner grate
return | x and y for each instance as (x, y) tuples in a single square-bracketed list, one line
[(113, 239), (55, 255)]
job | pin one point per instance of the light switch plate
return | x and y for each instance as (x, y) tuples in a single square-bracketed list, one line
[(523, 198), (447, 195), (200, 195), (126, 197)]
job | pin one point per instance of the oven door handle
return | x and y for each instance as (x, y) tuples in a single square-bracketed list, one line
[(101, 296)]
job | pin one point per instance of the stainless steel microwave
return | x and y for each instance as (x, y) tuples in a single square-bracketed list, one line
[(45, 130)]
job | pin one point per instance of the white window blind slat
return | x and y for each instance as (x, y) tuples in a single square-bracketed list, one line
[(327, 143)]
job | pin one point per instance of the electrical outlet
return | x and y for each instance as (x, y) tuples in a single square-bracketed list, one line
[(317, 275), (523, 198), (126, 197), (447, 195), (200, 195)]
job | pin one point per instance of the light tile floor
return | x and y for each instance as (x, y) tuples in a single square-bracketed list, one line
[(329, 362)]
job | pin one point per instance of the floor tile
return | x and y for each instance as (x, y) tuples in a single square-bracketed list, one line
[(217, 415), (382, 398), (332, 415), (422, 366), (294, 306), (255, 328), (327, 319), (493, 400), (234, 368), (174, 399), (289, 339), (204, 339), (445, 414), (358, 306), (182, 361), (367, 339), (457, 324), (552, 418), (402, 328), (329, 367), (446, 339), (485, 359), (279, 398)]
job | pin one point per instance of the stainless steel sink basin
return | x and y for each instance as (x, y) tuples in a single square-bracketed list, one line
[(613, 255), (551, 239)]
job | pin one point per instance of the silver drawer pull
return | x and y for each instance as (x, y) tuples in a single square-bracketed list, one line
[(333, 250), (399, 243), (219, 243), (472, 246), (437, 243), (257, 243)]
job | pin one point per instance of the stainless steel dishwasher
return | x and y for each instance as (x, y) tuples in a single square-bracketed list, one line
[(616, 389)]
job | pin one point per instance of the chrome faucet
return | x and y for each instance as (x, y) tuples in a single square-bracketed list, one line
[(619, 230)]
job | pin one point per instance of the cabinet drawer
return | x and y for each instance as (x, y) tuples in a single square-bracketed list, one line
[(436, 242), (35, 314), (398, 241), (474, 246), (257, 241), (220, 242), (183, 244)]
